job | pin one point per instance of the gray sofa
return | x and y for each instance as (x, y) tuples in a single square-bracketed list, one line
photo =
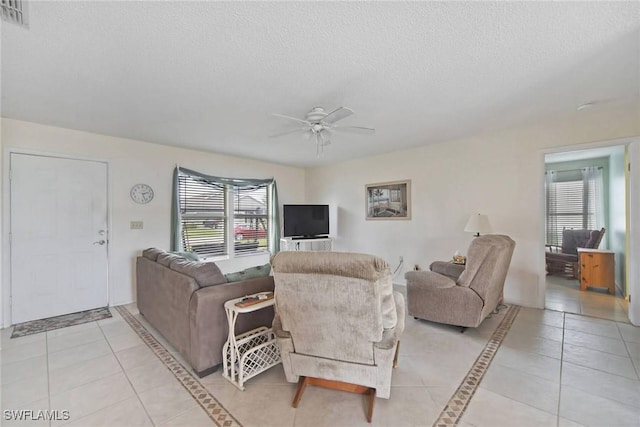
[(184, 300)]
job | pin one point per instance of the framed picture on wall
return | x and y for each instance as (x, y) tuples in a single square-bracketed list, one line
[(388, 200)]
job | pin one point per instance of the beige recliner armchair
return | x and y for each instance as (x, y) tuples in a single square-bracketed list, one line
[(338, 321), (459, 295)]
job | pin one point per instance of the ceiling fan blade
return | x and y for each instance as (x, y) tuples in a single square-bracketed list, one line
[(338, 114), (292, 118), (355, 129), (287, 132)]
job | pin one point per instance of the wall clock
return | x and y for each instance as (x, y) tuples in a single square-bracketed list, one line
[(141, 193)]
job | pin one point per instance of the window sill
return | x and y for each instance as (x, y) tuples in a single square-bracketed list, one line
[(227, 257)]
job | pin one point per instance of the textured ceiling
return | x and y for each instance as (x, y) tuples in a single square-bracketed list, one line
[(207, 75)]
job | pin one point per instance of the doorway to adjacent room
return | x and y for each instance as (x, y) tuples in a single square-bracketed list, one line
[(588, 189)]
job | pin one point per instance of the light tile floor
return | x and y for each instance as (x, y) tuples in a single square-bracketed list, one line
[(565, 295), (561, 369), (553, 369)]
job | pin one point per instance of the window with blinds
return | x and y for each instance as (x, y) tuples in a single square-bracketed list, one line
[(250, 219), (203, 208), (208, 209), (570, 204)]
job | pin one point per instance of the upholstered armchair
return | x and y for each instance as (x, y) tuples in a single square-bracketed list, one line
[(338, 322), (462, 295), (565, 262)]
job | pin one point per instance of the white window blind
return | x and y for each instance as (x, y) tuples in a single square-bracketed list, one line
[(203, 211), (211, 211), (250, 219), (571, 204)]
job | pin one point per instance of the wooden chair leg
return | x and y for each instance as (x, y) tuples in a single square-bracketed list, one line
[(336, 385), (372, 400), (395, 358), (302, 384)]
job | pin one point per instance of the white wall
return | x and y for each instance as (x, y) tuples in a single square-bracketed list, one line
[(132, 162), (500, 174)]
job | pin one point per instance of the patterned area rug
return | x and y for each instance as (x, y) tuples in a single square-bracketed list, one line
[(51, 323)]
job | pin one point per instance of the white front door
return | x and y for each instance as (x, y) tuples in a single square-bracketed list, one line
[(59, 236)]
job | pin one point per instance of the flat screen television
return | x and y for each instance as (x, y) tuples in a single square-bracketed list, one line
[(306, 221)]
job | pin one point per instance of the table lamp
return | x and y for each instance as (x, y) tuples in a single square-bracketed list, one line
[(478, 223)]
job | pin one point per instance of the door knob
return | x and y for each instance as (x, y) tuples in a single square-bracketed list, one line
[(100, 242)]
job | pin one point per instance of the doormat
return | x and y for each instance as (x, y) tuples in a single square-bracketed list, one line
[(51, 323)]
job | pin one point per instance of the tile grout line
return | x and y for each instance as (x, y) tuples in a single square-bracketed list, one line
[(126, 376), (213, 408), (633, 364), (46, 355), (92, 381), (458, 403), (561, 363)]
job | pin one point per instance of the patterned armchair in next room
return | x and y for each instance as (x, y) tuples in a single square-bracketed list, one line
[(565, 262)]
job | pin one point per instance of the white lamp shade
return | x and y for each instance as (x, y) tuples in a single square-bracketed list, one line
[(478, 223)]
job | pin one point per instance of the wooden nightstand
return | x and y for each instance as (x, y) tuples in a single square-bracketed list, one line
[(597, 269)]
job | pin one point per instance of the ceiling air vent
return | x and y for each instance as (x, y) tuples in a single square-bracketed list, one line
[(14, 11)]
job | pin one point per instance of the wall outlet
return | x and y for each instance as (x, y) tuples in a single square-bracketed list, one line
[(401, 259), (136, 225), (416, 267)]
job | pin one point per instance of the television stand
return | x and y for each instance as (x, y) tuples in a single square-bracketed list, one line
[(306, 244)]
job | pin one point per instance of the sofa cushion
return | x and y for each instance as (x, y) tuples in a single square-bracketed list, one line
[(204, 273), (152, 253), (249, 273), (191, 256), (167, 258)]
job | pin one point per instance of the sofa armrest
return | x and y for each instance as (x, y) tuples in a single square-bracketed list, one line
[(429, 279), (448, 269), (392, 335), (208, 320), (163, 298), (277, 328)]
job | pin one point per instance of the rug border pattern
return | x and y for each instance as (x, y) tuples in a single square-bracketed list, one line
[(455, 408), (214, 409)]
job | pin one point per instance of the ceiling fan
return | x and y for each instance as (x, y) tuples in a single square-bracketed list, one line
[(319, 125)]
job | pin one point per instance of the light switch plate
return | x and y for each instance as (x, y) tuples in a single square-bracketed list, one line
[(136, 225)]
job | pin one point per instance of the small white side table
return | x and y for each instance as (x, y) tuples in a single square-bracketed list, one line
[(248, 354)]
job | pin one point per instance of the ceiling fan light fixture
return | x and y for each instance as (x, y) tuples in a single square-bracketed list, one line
[(319, 125), (316, 114)]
